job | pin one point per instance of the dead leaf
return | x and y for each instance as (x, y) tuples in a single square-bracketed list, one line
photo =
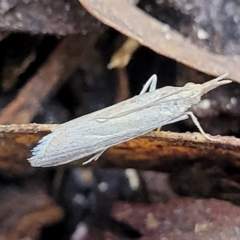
[(156, 150), (182, 218), (136, 24)]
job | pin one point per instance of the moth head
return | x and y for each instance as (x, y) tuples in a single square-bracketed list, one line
[(193, 92), (196, 91)]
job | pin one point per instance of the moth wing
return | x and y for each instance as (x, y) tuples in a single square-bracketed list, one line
[(86, 135), (158, 100), (61, 147)]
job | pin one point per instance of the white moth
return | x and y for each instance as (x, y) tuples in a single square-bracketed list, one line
[(92, 134)]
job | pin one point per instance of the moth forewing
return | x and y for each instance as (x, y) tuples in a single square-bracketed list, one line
[(94, 133), (94, 136)]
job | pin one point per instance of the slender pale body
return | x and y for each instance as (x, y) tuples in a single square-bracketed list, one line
[(93, 133)]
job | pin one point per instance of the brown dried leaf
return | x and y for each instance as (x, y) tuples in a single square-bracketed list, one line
[(156, 150), (159, 37), (16, 142), (163, 150), (183, 219)]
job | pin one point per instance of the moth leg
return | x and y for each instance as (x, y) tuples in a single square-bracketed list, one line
[(95, 157), (196, 122), (151, 84)]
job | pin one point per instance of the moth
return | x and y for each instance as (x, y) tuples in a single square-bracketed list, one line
[(91, 134)]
